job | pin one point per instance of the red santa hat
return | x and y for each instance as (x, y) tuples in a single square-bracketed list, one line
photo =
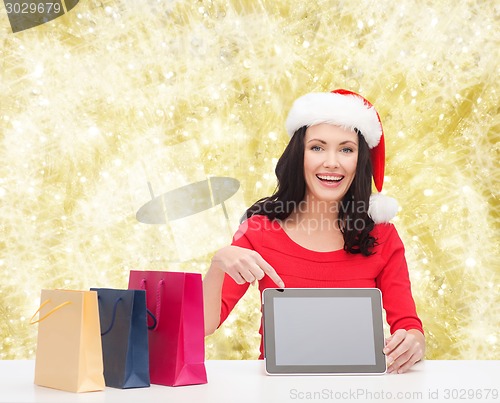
[(351, 111)]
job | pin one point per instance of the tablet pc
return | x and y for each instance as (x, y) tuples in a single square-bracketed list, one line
[(323, 331)]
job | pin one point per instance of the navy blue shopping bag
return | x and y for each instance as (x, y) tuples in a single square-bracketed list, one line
[(124, 335)]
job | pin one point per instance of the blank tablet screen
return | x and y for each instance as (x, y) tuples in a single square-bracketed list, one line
[(344, 323), (323, 330)]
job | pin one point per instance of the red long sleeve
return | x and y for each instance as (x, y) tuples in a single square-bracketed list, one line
[(298, 267)]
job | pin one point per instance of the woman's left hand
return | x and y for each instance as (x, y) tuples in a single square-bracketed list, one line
[(403, 349)]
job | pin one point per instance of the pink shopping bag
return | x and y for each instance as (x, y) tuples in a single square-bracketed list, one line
[(177, 335)]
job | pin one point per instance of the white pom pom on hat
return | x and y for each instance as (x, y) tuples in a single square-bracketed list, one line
[(382, 208), (350, 110)]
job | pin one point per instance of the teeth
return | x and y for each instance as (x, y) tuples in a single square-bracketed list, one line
[(330, 178)]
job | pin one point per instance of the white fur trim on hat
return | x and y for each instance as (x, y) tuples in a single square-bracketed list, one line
[(345, 110), (382, 208)]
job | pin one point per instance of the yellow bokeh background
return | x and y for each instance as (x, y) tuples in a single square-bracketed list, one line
[(114, 95)]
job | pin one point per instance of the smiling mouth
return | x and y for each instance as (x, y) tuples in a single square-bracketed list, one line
[(330, 178)]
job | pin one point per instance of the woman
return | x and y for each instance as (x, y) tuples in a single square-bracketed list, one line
[(323, 227)]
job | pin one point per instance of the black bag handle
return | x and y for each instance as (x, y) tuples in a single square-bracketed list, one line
[(153, 326), (156, 315), (113, 317)]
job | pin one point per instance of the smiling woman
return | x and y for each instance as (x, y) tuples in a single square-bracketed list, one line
[(330, 159), (329, 236), (113, 94)]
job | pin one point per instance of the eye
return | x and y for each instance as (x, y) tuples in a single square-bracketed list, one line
[(316, 148), (347, 150)]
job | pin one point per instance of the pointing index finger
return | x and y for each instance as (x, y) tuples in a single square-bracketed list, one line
[(268, 269)]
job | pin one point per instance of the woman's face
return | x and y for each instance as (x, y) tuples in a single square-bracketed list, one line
[(330, 158)]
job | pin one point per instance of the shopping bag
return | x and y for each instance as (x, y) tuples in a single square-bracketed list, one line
[(124, 336), (69, 353), (177, 339)]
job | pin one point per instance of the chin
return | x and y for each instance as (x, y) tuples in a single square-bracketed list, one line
[(328, 197)]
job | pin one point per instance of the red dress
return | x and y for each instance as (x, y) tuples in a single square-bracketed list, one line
[(299, 267)]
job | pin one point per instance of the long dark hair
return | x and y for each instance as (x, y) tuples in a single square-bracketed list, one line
[(356, 225)]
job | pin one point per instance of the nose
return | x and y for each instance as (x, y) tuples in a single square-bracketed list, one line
[(331, 160)]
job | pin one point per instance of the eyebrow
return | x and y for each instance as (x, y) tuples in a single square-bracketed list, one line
[(340, 144)]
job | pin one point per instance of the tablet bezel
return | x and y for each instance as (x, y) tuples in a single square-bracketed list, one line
[(268, 297)]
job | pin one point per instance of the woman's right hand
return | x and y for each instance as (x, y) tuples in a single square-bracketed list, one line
[(244, 265)]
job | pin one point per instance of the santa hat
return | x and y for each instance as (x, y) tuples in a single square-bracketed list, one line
[(351, 111)]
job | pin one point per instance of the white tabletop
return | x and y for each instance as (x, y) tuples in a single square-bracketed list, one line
[(246, 381)]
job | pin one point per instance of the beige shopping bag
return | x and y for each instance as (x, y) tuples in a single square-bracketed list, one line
[(69, 351)]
